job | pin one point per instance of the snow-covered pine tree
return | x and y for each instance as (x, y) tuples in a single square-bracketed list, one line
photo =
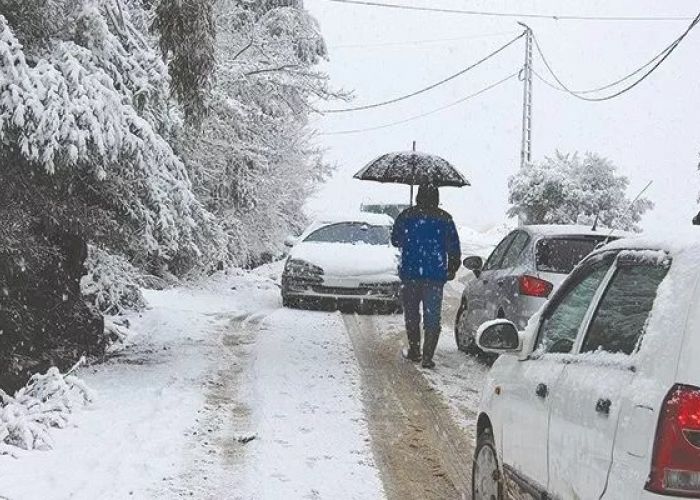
[(565, 188), (187, 34)]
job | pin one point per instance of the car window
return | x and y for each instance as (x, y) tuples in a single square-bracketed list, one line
[(622, 314), (351, 232), (561, 323), (496, 257), (561, 255), (516, 249)]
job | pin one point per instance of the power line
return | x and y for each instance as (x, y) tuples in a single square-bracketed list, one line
[(420, 42), (553, 17), (604, 87), (429, 87), (657, 62), (423, 115)]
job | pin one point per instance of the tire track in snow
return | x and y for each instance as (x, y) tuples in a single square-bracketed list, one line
[(422, 453)]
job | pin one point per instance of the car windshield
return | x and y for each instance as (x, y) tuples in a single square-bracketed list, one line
[(562, 254), (351, 232)]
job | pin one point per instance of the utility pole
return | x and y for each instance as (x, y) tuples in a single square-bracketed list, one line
[(526, 77)]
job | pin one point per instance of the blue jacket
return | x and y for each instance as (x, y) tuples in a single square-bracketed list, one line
[(429, 244)]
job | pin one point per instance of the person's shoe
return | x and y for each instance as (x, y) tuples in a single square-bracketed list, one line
[(412, 354), (428, 363)]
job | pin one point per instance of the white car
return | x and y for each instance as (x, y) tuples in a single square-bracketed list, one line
[(347, 259), (599, 396)]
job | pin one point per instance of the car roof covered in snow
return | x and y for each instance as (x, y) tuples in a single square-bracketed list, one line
[(572, 230), (363, 217), (674, 241)]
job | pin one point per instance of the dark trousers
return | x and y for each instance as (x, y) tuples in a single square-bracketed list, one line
[(428, 293)]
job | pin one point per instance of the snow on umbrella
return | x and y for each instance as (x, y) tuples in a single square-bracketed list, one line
[(413, 168)]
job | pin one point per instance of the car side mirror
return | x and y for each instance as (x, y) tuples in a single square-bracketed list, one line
[(499, 336), (475, 264), (290, 241)]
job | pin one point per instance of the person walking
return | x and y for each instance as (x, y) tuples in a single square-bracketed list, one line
[(430, 256)]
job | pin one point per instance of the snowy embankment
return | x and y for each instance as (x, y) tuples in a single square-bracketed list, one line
[(221, 394), (134, 437)]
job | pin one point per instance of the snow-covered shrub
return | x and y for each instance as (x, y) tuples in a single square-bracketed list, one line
[(566, 188), (112, 283), (45, 402), (251, 161), (93, 108)]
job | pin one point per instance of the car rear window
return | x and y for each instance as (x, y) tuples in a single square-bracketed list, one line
[(562, 254), (351, 232)]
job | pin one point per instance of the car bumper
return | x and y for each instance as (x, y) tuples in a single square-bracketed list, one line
[(362, 292)]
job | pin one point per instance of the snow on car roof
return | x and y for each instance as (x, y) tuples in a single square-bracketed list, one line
[(363, 217), (675, 241), (572, 229)]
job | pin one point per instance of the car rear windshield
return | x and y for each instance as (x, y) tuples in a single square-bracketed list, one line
[(562, 254), (351, 232)]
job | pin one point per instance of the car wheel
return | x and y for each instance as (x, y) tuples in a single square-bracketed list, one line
[(463, 335), (487, 483)]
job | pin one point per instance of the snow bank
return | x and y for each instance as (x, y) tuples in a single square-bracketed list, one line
[(46, 402)]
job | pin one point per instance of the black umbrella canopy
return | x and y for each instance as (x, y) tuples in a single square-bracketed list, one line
[(413, 168)]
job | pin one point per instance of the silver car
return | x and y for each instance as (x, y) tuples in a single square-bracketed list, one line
[(521, 273)]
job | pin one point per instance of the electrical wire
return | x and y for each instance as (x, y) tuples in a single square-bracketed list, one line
[(419, 42), (657, 61), (429, 87), (611, 84), (554, 17), (423, 115)]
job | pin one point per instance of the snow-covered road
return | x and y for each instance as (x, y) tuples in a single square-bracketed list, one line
[(227, 395)]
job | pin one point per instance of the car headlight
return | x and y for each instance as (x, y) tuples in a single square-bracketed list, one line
[(297, 268)]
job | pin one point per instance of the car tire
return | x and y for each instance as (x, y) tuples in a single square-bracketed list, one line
[(487, 480), (469, 345)]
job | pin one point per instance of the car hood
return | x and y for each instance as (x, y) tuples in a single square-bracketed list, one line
[(345, 259)]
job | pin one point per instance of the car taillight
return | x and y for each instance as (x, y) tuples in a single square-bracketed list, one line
[(534, 287), (675, 465)]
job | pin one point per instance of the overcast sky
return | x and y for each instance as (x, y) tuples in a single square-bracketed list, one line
[(650, 133)]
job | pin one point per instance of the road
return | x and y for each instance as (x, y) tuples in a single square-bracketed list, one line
[(224, 394), (323, 406), (421, 451)]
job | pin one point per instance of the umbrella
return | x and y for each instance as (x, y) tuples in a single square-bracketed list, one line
[(412, 168)]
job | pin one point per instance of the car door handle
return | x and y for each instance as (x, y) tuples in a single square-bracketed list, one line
[(542, 391), (603, 406)]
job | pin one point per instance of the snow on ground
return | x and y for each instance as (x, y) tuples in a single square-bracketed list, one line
[(312, 438), (458, 377), (224, 394), (221, 395), (132, 441)]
